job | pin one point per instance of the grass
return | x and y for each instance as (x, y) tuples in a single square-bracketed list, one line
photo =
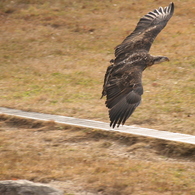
[(54, 55), (98, 162)]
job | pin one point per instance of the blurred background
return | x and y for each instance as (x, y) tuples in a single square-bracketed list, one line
[(54, 54)]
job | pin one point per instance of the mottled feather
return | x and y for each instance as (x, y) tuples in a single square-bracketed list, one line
[(145, 32), (123, 78)]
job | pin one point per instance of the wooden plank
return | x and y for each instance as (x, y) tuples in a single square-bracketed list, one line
[(138, 131)]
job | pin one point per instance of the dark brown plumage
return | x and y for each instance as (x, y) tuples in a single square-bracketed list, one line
[(123, 78)]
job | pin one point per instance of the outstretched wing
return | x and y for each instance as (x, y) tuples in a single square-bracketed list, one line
[(145, 32), (122, 83), (123, 88)]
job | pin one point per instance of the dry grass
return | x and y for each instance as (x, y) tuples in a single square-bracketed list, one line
[(94, 161), (54, 55), (53, 58)]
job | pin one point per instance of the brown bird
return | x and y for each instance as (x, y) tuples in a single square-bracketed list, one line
[(123, 79)]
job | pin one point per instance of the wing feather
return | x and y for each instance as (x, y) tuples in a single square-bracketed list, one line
[(122, 111), (123, 93), (145, 32)]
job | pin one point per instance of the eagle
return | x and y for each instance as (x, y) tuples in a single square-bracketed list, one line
[(123, 79)]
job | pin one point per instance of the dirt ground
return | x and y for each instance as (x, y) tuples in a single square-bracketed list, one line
[(88, 162)]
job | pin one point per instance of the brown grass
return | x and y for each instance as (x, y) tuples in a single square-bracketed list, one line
[(94, 161), (54, 55)]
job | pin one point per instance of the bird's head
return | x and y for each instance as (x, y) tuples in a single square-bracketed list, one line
[(159, 59)]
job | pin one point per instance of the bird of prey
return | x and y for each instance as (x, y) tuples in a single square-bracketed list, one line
[(123, 79)]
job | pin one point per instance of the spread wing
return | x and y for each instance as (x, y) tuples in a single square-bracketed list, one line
[(122, 83), (123, 88), (145, 32)]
